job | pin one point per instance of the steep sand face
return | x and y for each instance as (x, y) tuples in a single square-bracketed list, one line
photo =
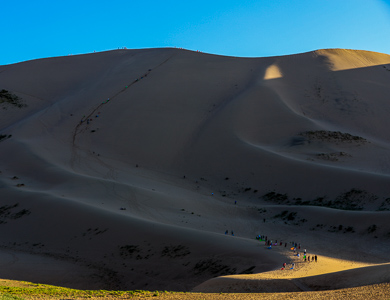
[(129, 166)]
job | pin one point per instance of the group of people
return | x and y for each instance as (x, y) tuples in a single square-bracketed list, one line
[(305, 256), (269, 243), (292, 266), (261, 237), (295, 246)]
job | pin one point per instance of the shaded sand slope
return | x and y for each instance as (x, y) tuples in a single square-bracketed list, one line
[(127, 167), (113, 251), (196, 111)]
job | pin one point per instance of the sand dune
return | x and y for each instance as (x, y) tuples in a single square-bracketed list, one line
[(325, 274), (127, 167)]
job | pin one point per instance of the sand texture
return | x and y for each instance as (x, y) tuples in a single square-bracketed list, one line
[(124, 169)]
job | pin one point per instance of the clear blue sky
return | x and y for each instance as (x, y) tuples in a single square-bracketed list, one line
[(43, 28)]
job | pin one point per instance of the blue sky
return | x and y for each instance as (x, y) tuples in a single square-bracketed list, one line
[(248, 28)]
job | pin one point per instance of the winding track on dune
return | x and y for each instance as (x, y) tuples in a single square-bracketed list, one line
[(78, 129)]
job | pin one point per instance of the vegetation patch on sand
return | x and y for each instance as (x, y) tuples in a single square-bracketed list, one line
[(8, 212), (354, 199), (334, 156), (4, 137), (215, 267), (333, 136), (29, 290), (8, 98), (15, 290), (175, 251), (10, 297)]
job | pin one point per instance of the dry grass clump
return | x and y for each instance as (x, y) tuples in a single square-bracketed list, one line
[(333, 136), (8, 98)]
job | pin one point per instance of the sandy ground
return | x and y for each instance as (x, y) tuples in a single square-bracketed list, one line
[(300, 275), (377, 291), (124, 169)]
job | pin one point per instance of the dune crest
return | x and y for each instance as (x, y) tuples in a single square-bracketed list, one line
[(344, 59)]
